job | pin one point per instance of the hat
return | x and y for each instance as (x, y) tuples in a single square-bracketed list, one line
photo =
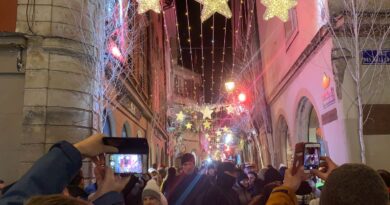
[(151, 189), (187, 157)]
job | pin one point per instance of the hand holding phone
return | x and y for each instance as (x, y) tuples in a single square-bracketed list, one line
[(325, 168), (298, 157)]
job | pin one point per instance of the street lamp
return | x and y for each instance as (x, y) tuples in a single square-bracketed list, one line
[(229, 86), (242, 97)]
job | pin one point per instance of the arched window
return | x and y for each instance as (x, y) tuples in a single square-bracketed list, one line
[(307, 121), (124, 132), (108, 124), (107, 130)]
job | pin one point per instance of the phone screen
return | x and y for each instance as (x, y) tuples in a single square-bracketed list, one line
[(311, 156), (126, 163)]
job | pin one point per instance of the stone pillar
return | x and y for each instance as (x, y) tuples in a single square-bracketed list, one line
[(60, 100)]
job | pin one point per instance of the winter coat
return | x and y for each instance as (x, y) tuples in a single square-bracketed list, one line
[(282, 195), (50, 175), (177, 189), (217, 195), (243, 194)]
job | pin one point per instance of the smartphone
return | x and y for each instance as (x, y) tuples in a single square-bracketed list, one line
[(127, 145), (311, 156), (132, 156), (126, 164)]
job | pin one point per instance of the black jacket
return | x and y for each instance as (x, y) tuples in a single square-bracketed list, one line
[(176, 190)]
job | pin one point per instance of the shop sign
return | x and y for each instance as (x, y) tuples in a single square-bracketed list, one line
[(379, 57), (328, 97), (131, 107)]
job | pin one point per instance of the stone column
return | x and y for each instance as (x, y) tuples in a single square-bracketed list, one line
[(60, 100)]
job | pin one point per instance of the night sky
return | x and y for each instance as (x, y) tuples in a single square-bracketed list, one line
[(195, 23)]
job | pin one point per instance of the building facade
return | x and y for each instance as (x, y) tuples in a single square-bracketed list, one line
[(309, 84), (59, 79)]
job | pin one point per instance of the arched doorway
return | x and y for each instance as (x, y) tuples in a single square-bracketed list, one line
[(307, 121), (283, 141)]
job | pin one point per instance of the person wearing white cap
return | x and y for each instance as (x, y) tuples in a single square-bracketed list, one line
[(152, 195)]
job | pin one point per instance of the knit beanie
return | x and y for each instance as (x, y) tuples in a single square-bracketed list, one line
[(187, 157), (151, 189)]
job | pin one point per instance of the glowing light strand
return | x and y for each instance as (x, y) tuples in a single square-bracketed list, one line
[(189, 41), (179, 45), (234, 39), (212, 58), (221, 87), (202, 53)]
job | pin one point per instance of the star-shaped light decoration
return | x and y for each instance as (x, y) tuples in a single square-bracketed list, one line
[(226, 129), (146, 5), (212, 6), (218, 133), (207, 113), (180, 116), (230, 109), (206, 135), (188, 125), (278, 8), (206, 124)]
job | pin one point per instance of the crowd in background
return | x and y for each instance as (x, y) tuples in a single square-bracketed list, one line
[(56, 178)]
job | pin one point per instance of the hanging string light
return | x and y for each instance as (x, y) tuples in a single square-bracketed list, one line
[(202, 60), (223, 58), (212, 58), (190, 43), (234, 38)]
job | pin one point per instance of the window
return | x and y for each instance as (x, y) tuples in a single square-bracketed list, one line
[(124, 131), (8, 15), (107, 125), (291, 27)]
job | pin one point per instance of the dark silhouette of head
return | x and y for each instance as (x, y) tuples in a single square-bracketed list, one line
[(354, 184)]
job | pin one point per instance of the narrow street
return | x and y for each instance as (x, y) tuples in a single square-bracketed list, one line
[(232, 89)]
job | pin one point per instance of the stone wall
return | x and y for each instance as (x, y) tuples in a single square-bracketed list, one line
[(60, 102)]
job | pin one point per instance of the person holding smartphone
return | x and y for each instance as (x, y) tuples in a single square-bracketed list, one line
[(53, 171), (349, 184)]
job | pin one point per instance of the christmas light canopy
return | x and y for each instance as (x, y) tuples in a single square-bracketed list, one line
[(146, 5), (212, 6), (278, 8)]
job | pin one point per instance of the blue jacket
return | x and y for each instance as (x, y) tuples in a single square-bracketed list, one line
[(50, 175)]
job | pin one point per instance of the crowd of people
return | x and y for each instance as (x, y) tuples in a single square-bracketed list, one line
[(56, 179)]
